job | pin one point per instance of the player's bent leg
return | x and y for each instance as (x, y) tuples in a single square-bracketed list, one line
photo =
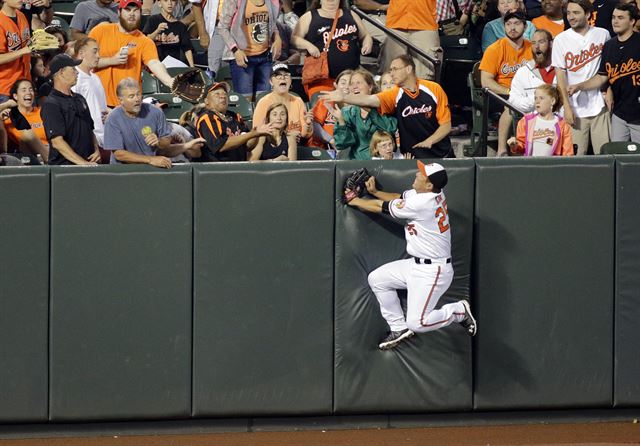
[(384, 282), (427, 284)]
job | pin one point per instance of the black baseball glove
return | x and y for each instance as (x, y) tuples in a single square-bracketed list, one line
[(190, 85), (355, 186)]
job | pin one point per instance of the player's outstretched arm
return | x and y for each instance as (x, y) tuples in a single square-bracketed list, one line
[(373, 206), (380, 195)]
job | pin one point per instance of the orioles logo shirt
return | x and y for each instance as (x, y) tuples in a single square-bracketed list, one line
[(419, 114), (621, 64), (503, 60), (580, 56)]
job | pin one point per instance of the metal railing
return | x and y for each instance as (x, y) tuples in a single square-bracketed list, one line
[(486, 96), (437, 63)]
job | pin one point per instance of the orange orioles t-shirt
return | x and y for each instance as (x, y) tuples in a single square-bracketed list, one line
[(256, 28), (419, 115), (412, 15), (142, 50), (502, 60), (544, 22), (13, 38)]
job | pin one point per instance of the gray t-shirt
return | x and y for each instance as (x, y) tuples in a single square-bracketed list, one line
[(122, 132), (88, 14)]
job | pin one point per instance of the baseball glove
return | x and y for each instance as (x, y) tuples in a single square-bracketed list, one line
[(354, 186), (190, 85), (41, 41)]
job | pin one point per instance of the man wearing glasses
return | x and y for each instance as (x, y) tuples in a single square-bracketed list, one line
[(300, 121), (420, 106)]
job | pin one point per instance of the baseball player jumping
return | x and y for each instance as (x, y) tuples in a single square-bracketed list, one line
[(427, 274)]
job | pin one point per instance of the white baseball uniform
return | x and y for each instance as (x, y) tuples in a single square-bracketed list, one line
[(428, 238), (580, 56)]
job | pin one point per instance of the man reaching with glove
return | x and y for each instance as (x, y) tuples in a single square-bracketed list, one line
[(124, 50), (427, 273)]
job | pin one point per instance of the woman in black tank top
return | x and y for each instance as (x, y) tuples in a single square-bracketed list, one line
[(350, 39), (279, 146)]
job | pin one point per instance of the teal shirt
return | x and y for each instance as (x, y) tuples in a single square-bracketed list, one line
[(355, 135), (494, 30)]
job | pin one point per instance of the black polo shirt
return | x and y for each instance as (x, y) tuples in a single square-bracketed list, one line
[(69, 117)]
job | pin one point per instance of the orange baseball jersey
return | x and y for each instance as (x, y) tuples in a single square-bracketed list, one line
[(419, 115), (35, 120), (543, 22), (412, 15), (12, 38), (142, 50), (502, 60)]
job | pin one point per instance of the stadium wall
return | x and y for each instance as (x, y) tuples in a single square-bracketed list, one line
[(239, 290)]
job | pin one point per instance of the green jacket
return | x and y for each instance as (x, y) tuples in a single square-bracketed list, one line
[(356, 133)]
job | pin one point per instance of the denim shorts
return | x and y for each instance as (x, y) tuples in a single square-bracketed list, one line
[(254, 78)]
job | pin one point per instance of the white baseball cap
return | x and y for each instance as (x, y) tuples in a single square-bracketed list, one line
[(435, 172)]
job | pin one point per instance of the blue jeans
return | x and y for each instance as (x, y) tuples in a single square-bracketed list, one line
[(254, 78)]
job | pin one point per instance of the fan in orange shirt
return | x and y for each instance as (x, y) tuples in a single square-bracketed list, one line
[(553, 18), (124, 50), (24, 124), (500, 63), (15, 55), (415, 20)]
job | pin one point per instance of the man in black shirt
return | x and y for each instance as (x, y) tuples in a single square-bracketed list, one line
[(169, 34), (225, 133), (620, 67), (66, 117)]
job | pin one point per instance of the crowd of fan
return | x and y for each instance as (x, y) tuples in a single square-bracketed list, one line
[(572, 68)]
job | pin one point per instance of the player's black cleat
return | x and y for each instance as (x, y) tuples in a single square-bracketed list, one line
[(395, 338), (469, 322)]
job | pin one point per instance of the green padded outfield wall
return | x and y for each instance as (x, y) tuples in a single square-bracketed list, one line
[(24, 296), (121, 269), (431, 372), (263, 284), (543, 283), (627, 307)]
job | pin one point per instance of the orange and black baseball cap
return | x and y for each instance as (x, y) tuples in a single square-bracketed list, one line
[(435, 172), (217, 85)]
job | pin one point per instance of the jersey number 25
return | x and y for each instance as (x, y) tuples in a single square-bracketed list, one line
[(442, 214)]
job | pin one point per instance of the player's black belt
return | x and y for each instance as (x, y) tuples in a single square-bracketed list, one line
[(427, 261)]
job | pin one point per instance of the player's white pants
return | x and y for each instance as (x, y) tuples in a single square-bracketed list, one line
[(425, 284)]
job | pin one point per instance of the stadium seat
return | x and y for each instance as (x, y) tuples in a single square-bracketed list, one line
[(149, 83), (65, 9), (224, 73), (621, 148), (475, 87), (312, 154), (239, 104), (175, 105)]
